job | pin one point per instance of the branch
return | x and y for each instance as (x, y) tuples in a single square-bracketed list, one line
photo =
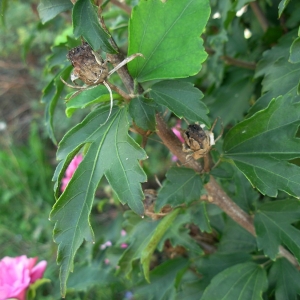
[(216, 194), (233, 61), (260, 16)]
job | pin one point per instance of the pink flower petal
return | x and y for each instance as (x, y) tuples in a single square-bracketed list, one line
[(71, 170), (16, 274), (37, 272)]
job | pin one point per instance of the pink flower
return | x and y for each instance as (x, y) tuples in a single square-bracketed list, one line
[(16, 274), (123, 232), (176, 130), (106, 245), (71, 170), (124, 246)]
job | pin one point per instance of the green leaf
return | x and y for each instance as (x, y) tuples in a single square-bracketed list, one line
[(182, 185), (139, 232), (162, 281), (244, 281), (179, 235), (236, 239), (240, 189), (280, 76), (231, 100), (295, 51), (3, 8), (168, 50), (160, 230), (87, 276), (86, 24), (282, 5), (211, 265), (191, 290), (261, 145), (49, 9), (31, 292), (112, 153), (273, 227), (182, 98), (199, 217), (51, 94), (89, 97), (285, 278), (142, 111), (58, 57)]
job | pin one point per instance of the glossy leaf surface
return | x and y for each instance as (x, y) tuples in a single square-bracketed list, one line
[(49, 9), (182, 98), (261, 145), (86, 24), (168, 50)]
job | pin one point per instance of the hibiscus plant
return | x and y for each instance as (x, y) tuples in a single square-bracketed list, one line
[(211, 208)]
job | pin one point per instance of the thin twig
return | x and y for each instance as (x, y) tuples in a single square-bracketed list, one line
[(119, 91), (260, 16), (233, 61), (123, 6)]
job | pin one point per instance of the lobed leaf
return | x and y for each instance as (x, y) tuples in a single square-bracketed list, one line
[(179, 235), (261, 145), (182, 186), (280, 76), (142, 111), (162, 281), (168, 50), (86, 24), (113, 153), (49, 9), (245, 281), (236, 239), (199, 217), (285, 278), (182, 98), (273, 227)]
